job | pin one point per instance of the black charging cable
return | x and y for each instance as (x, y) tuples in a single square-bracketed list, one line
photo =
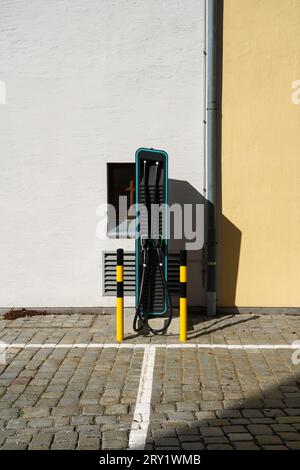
[(141, 321)]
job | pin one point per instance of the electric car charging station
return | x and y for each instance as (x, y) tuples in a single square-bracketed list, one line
[(152, 295), (151, 250)]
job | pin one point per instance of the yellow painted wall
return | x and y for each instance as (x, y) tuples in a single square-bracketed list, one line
[(260, 226)]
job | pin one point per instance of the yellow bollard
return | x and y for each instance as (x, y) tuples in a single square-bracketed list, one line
[(120, 297), (183, 297)]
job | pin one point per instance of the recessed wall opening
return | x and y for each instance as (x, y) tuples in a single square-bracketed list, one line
[(120, 184)]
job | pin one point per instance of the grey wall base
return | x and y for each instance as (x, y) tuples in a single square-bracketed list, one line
[(260, 310), (211, 299), (201, 310)]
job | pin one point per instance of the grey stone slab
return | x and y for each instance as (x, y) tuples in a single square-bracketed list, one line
[(257, 429), (269, 439), (246, 446), (192, 446), (211, 431), (219, 447), (35, 412), (240, 437), (41, 441)]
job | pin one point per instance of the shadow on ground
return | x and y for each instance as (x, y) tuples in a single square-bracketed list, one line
[(225, 400)]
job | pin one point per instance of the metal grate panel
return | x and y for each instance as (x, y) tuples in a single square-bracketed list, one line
[(109, 272)]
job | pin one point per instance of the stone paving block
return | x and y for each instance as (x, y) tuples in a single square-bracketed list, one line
[(166, 441), (189, 437), (283, 428), (217, 422), (164, 407), (63, 445), (105, 420), (4, 434), (9, 413), (89, 430), (181, 416), (292, 411), (64, 436), (192, 446), (239, 421), (179, 424), (192, 396), (288, 419), (252, 413), (40, 422), (262, 421), (275, 412), (219, 447), (257, 429), (61, 421), (88, 443), (210, 405), (190, 431), (81, 420), (292, 402), (18, 423), (234, 428), (205, 415), (233, 404), (31, 431), (294, 445), (273, 403), (240, 437), (67, 402), (11, 445), (116, 409), (21, 436), (59, 429), (269, 439), (157, 433), (113, 440), (187, 406), (289, 436), (275, 447), (35, 412), (228, 414), (245, 446), (162, 448), (41, 441), (211, 431), (216, 440), (65, 411)]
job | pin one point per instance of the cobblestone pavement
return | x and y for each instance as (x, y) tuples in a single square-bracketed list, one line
[(202, 398)]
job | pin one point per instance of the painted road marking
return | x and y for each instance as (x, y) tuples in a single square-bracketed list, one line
[(142, 345), (141, 417)]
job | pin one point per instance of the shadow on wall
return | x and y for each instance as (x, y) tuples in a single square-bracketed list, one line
[(230, 237), (181, 192)]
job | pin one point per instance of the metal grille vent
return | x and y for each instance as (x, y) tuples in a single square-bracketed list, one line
[(109, 272)]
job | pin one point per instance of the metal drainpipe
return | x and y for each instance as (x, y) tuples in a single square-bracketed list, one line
[(211, 299)]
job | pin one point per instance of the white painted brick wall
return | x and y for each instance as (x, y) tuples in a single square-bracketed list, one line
[(87, 81)]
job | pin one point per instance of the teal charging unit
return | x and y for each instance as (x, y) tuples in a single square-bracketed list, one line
[(151, 249)]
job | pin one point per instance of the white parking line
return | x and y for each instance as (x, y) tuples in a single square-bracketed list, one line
[(143, 345), (141, 417)]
